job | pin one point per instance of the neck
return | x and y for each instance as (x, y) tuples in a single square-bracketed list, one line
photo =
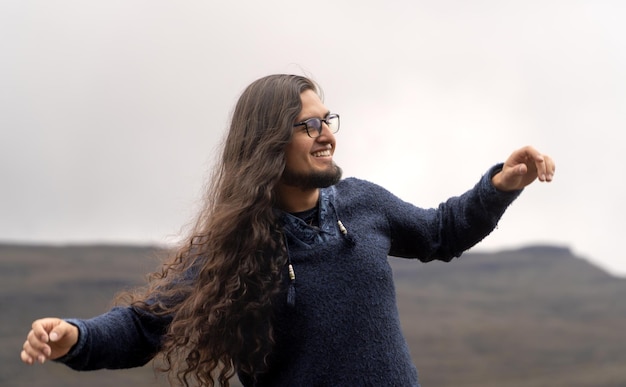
[(295, 199)]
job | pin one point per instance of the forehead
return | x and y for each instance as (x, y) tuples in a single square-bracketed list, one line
[(312, 106)]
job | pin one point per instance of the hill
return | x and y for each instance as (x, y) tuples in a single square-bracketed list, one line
[(533, 317), (537, 316)]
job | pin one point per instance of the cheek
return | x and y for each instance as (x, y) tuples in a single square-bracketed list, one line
[(297, 150), (291, 156)]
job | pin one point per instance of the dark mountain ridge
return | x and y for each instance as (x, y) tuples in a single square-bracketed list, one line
[(535, 316)]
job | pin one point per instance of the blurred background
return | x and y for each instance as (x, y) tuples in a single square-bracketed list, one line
[(112, 114)]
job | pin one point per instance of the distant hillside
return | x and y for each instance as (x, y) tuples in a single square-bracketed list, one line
[(75, 281), (537, 316), (533, 317)]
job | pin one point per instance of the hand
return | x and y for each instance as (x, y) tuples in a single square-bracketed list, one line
[(49, 338), (522, 168)]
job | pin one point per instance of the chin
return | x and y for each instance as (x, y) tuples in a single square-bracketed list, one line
[(316, 179)]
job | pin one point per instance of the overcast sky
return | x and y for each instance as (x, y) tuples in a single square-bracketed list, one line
[(111, 111)]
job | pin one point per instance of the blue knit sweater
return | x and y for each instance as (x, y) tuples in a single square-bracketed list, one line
[(344, 329)]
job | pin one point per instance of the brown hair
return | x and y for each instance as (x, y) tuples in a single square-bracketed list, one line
[(219, 286)]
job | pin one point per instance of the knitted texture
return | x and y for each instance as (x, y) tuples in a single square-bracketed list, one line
[(344, 328)]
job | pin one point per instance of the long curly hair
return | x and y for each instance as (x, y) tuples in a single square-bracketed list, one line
[(220, 283)]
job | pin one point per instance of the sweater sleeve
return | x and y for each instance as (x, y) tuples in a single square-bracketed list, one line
[(124, 337), (456, 225)]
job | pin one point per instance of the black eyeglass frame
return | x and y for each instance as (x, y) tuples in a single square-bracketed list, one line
[(316, 123)]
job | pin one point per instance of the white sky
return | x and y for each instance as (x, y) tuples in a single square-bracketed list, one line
[(111, 111)]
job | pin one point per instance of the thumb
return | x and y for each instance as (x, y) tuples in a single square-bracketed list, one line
[(58, 332), (520, 169), (55, 335)]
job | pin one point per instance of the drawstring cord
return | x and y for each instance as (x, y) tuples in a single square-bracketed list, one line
[(291, 289)]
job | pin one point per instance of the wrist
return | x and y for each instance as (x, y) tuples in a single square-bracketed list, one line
[(496, 179)]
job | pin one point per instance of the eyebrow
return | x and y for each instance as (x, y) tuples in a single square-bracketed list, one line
[(308, 118)]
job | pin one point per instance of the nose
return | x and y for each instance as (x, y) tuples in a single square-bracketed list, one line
[(326, 135)]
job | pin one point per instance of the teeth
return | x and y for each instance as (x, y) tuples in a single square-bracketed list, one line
[(324, 153)]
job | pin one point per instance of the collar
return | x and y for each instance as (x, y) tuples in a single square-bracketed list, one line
[(298, 230)]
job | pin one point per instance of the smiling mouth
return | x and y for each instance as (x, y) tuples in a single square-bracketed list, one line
[(324, 153)]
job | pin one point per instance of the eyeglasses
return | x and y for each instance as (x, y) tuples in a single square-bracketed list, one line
[(313, 126)]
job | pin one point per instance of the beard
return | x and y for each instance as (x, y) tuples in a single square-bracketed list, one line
[(312, 180)]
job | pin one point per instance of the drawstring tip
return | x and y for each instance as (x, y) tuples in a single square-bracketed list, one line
[(291, 295), (343, 230), (291, 291)]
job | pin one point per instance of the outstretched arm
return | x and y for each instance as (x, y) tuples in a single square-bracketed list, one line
[(124, 337), (522, 168), (461, 222)]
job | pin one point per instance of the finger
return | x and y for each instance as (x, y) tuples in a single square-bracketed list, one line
[(41, 329), (531, 152), (45, 326), (540, 166), (26, 358), (34, 353), (550, 168), (35, 341), (36, 344)]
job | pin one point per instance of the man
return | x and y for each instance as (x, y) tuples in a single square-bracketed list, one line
[(284, 280)]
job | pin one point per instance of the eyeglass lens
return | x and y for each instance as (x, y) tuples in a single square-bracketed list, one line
[(314, 125)]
